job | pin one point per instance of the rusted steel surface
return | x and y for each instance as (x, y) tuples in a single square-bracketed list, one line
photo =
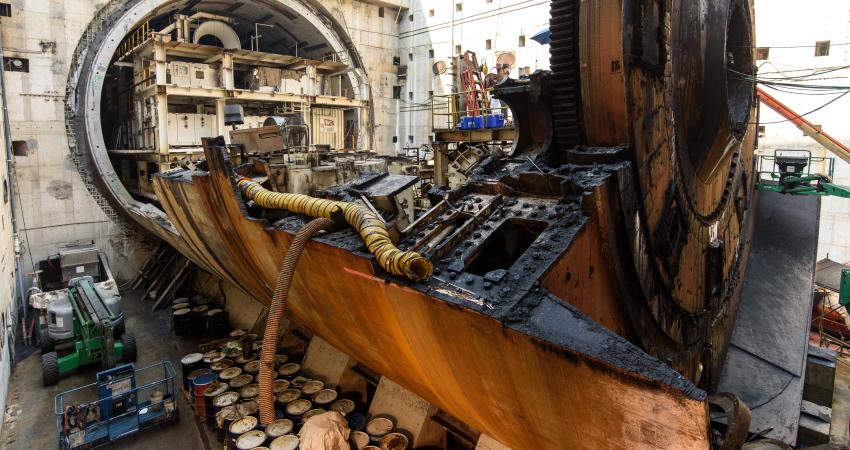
[(491, 366), (686, 204), (603, 65), (676, 232), (621, 232)]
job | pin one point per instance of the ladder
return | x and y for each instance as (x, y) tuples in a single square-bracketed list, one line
[(472, 84)]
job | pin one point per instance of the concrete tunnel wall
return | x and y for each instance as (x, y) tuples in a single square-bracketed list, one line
[(58, 204)]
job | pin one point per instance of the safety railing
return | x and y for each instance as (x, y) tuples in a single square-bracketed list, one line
[(133, 40), (767, 165), (85, 420), (447, 112)]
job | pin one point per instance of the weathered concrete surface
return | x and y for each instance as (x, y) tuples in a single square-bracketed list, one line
[(325, 362), (53, 201), (8, 270), (29, 420)]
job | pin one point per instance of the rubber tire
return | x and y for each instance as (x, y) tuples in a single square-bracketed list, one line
[(46, 343), (50, 368), (129, 342), (118, 331)]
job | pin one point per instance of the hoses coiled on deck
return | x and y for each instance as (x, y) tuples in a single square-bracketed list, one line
[(371, 227), (276, 310)]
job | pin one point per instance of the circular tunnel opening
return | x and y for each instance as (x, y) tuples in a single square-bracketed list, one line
[(712, 62), (740, 68), (267, 56)]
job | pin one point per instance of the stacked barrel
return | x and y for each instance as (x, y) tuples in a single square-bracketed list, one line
[(222, 385), (197, 317)]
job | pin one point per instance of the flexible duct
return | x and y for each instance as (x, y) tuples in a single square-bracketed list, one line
[(276, 311), (370, 226)]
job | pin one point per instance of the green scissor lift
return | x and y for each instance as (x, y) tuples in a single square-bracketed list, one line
[(791, 172), (844, 291), (92, 326)]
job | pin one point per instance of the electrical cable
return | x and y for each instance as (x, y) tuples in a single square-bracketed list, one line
[(799, 116), (430, 27), (793, 46), (814, 71), (467, 20)]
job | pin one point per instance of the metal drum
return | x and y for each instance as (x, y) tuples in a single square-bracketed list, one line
[(238, 333), (249, 408), (280, 360), (257, 346), (252, 367), (198, 322), (199, 387), (189, 363), (295, 409), (229, 374), (285, 397), (223, 418), (241, 381), (356, 421), (224, 401), (237, 428), (289, 370), (245, 357), (393, 441), (219, 366), (299, 381), (191, 379), (213, 357), (343, 406), (285, 442), (181, 322), (378, 428), (279, 428), (311, 388), (250, 440), (324, 397), (249, 391), (360, 439), (279, 386), (181, 305), (218, 323), (213, 390)]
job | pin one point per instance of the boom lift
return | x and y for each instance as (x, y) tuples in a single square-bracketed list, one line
[(791, 172)]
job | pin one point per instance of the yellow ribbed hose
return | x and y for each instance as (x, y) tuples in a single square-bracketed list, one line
[(371, 227)]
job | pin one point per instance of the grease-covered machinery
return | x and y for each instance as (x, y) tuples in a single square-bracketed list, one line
[(585, 287)]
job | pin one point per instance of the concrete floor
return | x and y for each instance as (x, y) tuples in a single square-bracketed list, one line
[(30, 423)]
